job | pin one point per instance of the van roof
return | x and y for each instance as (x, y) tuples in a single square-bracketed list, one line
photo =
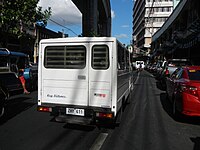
[(79, 39)]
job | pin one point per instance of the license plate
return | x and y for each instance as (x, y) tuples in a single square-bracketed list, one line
[(73, 111)]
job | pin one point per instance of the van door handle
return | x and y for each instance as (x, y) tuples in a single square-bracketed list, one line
[(81, 77)]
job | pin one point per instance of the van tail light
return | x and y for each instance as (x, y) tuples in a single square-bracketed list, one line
[(104, 115), (44, 109), (189, 89)]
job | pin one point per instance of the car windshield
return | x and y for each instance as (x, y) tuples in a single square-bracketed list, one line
[(179, 63), (194, 74), (3, 61)]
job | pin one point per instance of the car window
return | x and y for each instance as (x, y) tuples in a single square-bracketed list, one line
[(194, 74), (179, 74), (179, 63), (174, 74), (3, 61)]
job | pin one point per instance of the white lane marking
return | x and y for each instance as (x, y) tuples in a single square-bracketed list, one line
[(137, 78), (152, 75), (99, 141)]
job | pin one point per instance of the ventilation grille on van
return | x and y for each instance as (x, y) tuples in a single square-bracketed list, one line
[(69, 57), (100, 57)]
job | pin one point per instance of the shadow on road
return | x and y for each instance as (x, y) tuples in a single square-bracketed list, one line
[(79, 127), (160, 86), (167, 106), (15, 106), (196, 142)]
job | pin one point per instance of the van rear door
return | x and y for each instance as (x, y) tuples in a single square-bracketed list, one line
[(65, 74), (100, 74)]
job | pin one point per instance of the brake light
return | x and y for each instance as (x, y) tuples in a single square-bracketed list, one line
[(104, 115), (45, 109), (166, 72), (189, 89)]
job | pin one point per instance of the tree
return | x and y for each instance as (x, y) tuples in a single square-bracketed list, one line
[(17, 16)]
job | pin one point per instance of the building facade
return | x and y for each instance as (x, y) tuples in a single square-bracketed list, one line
[(148, 17), (96, 17), (179, 36)]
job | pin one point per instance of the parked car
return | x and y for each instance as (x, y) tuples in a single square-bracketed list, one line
[(173, 64), (183, 90), (169, 67), (158, 67), (161, 69)]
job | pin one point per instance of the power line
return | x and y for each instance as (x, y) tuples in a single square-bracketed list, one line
[(62, 19), (53, 20), (63, 26)]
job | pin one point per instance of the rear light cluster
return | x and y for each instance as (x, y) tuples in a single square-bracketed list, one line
[(104, 115), (44, 109), (189, 89), (166, 72)]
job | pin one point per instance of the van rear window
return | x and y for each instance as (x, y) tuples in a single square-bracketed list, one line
[(65, 57), (100, 57)]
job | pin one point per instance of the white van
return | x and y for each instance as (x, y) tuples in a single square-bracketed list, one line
[(140, 65), (83, 79)]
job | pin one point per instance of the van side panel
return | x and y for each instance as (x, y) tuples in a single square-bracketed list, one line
[(122, 84)]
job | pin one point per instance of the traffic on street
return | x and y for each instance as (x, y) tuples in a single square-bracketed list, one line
[(100, 75), (147, 123)]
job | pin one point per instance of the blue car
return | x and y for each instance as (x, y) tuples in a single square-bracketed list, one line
[(10, 63)]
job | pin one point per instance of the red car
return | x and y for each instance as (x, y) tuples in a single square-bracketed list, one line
[(183, 90)]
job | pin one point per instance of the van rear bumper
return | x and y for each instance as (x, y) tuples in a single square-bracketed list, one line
[(74, 119), (92, 115)]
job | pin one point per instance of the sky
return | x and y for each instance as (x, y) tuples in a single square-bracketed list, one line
[(67, 18)]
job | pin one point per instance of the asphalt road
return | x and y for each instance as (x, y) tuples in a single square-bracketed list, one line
[(147, 124)]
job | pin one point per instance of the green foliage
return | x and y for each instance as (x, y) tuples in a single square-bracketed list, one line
[(17, 15)]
